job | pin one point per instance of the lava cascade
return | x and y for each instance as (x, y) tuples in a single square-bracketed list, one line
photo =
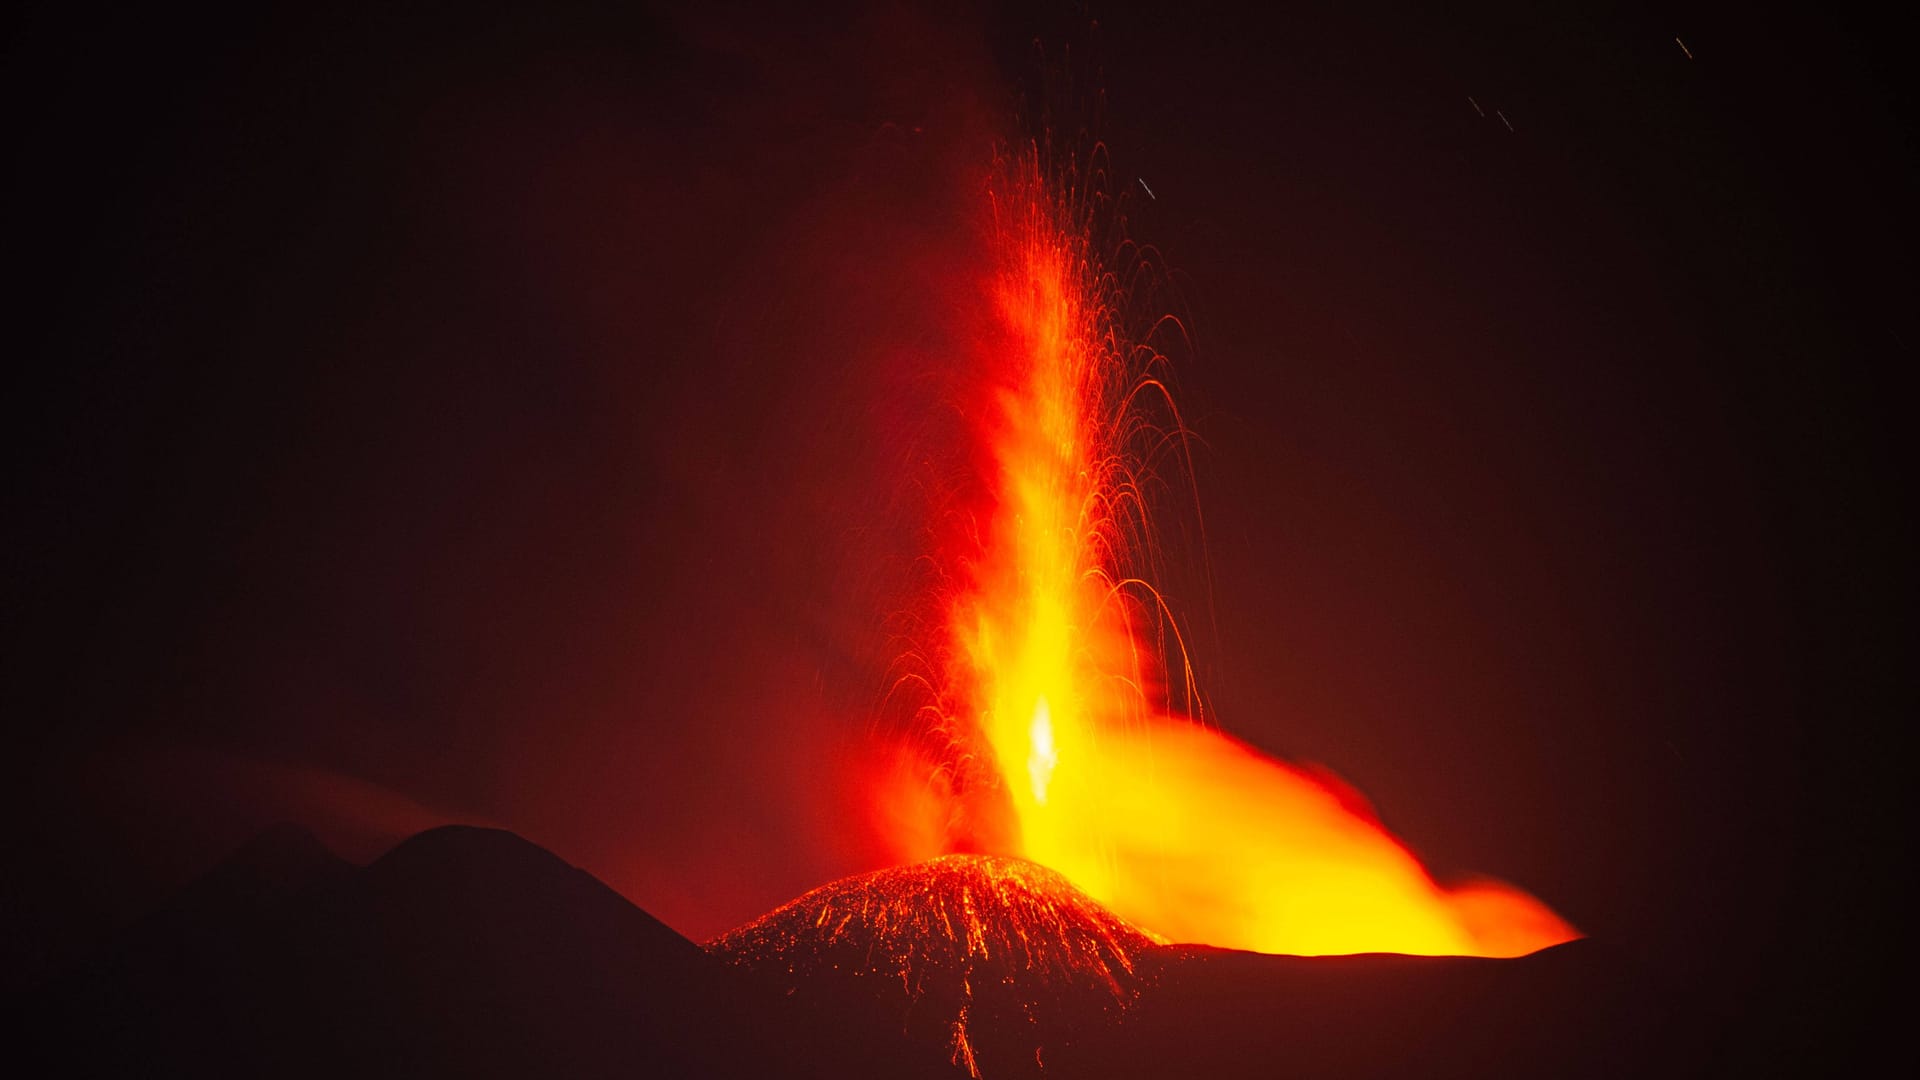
[(1061, 723)]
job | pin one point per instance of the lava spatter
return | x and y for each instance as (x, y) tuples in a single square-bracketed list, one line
[(996, 958), (1065, 702)]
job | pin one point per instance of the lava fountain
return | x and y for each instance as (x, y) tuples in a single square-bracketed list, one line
[(1065, 740)]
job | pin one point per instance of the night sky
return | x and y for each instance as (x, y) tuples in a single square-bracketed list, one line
[(526, 419)]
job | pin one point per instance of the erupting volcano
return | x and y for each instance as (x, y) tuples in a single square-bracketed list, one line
[(1073, 811), (1059, 736)]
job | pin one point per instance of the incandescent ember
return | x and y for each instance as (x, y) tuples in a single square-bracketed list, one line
[(997, 958)]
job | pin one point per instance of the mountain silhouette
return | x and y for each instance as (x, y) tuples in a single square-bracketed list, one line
[(471, 952), (461, 952)]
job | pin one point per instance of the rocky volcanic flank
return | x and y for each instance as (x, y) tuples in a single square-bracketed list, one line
[(999, 959)]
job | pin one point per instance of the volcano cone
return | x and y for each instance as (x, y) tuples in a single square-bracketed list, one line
[(996, 958)]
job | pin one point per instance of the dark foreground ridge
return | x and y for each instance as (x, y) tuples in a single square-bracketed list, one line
[(461, 952), (471, 952)]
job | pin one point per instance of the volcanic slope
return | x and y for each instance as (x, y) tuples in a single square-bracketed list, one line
[(463, 952), (998, 959)]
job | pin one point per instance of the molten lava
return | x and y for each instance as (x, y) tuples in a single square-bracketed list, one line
[(1061, 720), (996, 959)]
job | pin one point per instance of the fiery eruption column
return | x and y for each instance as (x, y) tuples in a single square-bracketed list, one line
[(1059, 646), (1047, 654)]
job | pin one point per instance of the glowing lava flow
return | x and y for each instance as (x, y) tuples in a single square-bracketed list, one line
[(1057, 653)]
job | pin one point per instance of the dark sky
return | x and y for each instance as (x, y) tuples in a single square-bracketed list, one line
[(522, 418)]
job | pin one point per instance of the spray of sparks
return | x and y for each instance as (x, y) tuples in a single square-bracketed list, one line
[(1053, 688)]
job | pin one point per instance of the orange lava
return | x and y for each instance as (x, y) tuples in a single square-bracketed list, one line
[(1057, 696)]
